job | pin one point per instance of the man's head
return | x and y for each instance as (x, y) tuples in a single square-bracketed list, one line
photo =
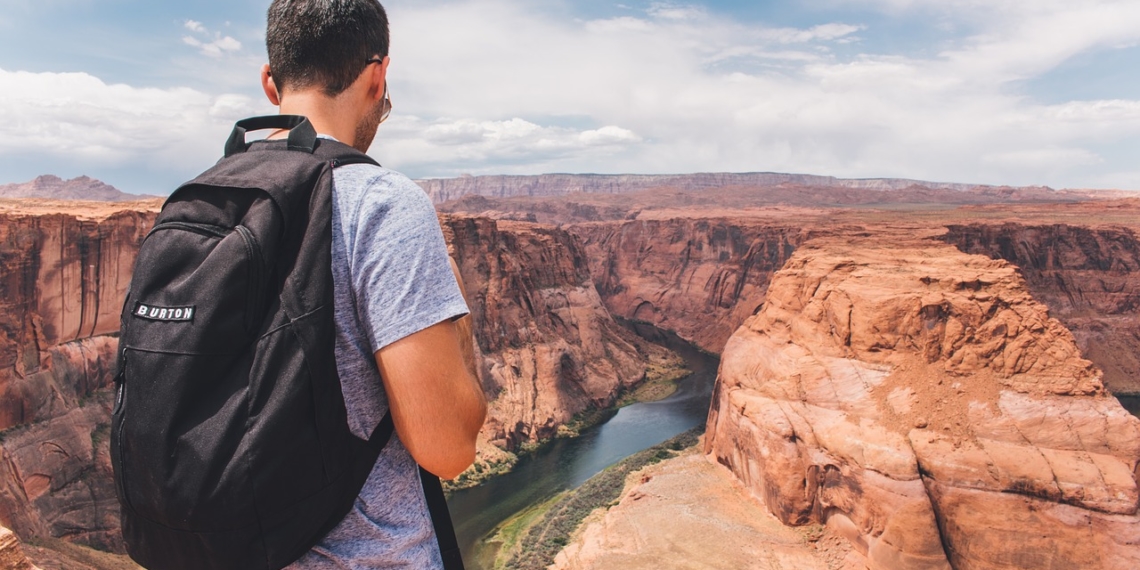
[(324, 43), (328, 61)]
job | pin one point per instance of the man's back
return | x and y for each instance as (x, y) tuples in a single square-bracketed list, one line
[(391, 279)]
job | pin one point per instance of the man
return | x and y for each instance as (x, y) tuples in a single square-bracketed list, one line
[(399, 343)]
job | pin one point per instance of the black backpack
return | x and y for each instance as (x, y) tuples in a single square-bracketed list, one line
[(229, 438)]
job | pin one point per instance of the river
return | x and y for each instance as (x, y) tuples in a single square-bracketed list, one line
[(567, 463)]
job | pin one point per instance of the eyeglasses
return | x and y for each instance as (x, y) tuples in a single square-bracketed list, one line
[(386, 104)]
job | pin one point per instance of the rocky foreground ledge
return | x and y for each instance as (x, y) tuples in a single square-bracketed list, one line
[(920, 402)]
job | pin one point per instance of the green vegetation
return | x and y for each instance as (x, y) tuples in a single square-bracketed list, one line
[(532, 538), (583, 421), (658, 385), (481, 471)]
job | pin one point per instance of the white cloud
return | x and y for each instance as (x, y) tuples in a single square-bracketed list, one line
[(214, 45), (822, 32), (703, 92), (214, 48), (671, 11), (464, 143), (79, 118)]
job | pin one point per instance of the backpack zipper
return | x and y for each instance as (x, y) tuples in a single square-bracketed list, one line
[(120, 410), (256, 291), (202, 229)]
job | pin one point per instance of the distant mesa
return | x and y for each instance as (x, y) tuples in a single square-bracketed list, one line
[(548, 185), (55, 188)]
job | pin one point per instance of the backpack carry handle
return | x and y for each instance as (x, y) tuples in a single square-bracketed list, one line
[(302, 134)]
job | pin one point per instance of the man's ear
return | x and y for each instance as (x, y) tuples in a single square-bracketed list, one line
[(378, 79), (269, 86)]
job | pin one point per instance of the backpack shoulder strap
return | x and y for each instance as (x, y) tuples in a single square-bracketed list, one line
[(441, 520)]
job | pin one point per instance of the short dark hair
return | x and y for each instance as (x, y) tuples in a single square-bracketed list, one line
[(323, 43)]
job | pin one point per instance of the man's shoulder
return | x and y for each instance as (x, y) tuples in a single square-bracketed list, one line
[(375, 181), (376, 199)]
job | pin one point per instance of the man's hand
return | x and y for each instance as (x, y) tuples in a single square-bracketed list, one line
[(436, 401)]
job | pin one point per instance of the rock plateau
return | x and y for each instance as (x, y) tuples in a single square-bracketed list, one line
[(11, 553), (549, 185), (686, 513), (919, 401)]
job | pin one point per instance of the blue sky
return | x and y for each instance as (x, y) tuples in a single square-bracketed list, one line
[(141, 94)]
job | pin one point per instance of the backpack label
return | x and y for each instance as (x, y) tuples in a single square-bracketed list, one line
[(165, 314)]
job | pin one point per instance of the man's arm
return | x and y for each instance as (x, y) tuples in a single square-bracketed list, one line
[(463, 326), (436, 401)]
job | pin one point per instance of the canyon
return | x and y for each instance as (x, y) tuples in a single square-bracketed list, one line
[(548, 348), (1085, 275), (985, 331), (948, 406)]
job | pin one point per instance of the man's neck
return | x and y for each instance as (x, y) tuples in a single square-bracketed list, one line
[(326, 115)]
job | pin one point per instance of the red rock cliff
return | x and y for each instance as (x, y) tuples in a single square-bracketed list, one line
[(921, 402), (1088, 277), (63, 280), (549, 347), (698, 277)]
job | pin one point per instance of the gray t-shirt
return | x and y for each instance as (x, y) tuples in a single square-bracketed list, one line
[(391, 279)]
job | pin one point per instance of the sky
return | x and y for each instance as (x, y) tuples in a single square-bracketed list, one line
[(142, 94)]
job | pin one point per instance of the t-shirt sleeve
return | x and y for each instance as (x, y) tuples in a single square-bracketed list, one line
[(401, 275)]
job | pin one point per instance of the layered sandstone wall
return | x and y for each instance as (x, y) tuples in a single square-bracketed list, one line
[(698, 277), (549, 348), (1088, 277), (63, 279), (921, 402)]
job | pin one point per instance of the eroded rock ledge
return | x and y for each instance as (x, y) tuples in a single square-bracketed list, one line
[(698, 277), (919, 401), (1087, 276)]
